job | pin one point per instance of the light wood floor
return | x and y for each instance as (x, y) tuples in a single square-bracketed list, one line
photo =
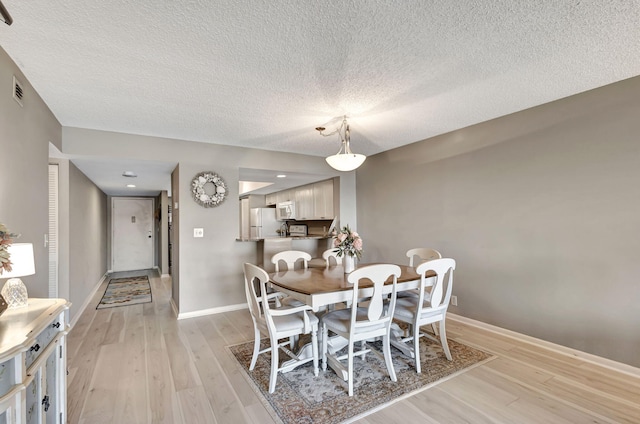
[(138, 364)]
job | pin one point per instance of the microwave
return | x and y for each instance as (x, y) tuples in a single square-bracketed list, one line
[(286, 210)]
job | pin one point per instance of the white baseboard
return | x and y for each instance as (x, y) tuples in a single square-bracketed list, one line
[(211, 311), (86, 303), (588, 357), (174, 308)]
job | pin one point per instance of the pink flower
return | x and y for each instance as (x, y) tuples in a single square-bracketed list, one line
[(347, 242), (358, 244)]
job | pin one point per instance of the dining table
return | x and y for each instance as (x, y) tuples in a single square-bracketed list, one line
[(320, 287), (325, 287)]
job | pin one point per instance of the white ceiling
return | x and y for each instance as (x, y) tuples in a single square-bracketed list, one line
[(264, 74)]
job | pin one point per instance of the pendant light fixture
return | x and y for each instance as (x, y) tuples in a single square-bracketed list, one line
[(4, 15), (345, 159)]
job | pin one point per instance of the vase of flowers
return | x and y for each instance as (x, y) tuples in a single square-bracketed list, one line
[(348, 246)]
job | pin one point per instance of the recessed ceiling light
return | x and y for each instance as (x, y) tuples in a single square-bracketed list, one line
[(281, 176), (129, 174), (131, 185)]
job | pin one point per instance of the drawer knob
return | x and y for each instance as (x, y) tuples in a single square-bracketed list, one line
[(56, 325), (35, 347), (45, 403)]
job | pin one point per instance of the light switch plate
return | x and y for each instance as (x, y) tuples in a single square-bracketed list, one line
[(198, 232)]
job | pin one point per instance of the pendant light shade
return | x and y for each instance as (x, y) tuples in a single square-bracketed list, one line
[(345, 159)]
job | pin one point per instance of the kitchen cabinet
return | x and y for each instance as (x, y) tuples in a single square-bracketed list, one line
[(286, 195), (33, 363), (313, 201), (323, 200), (304, 203), (271, 199)]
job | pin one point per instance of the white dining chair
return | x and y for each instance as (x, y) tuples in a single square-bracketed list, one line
[(422, 254), (331, 255), (417, 311), (290, 257), (361, 323), (277, 324), (325, 261), (417, 256)]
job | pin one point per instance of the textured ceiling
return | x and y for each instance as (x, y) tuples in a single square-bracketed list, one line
[(265, 73)]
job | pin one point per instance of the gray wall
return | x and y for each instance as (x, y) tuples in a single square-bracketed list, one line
[(25, 133), (541, 211), (87, 237), (207, 271)]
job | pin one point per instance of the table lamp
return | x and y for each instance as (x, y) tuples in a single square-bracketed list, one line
[(22, 264)]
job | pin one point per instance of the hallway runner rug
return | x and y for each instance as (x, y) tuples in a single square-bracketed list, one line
[(126, 291), (302, 398)]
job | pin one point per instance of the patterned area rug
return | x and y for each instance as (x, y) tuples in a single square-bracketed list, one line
[(302, 398), (125, 292)]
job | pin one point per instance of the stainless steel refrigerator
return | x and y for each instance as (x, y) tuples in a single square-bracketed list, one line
[(263, 223)]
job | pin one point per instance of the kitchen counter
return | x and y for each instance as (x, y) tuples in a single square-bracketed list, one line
[(269, 246), (308, 237)]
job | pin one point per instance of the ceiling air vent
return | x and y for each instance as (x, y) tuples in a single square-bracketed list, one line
[(17, 91)]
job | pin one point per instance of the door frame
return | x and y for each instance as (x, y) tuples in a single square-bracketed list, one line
[(153, 229)]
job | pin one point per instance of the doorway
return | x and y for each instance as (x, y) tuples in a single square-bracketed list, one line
[(132, 233)]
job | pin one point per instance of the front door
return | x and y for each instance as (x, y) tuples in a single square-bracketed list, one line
[(132, 242)]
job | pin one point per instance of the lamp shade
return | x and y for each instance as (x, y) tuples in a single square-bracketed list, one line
[(346, 161), (22, 263), (14, 290)]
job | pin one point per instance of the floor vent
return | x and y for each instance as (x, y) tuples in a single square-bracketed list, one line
[(17, 91)]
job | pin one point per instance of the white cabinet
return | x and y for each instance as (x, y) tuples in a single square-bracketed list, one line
[(271, 199), (313, 201), (33, 382), (304, 203), (286, 195), (323, 200)]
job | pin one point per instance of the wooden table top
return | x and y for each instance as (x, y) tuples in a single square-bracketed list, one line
[(314, 281)]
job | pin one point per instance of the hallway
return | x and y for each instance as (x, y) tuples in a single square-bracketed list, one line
[(138, 364)]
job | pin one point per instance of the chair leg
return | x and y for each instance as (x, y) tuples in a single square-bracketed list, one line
[(387, 358), (416, 347), (256, 349), (443, 340), (274, 365), (314, 346), (350, 367), (325, 336)]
